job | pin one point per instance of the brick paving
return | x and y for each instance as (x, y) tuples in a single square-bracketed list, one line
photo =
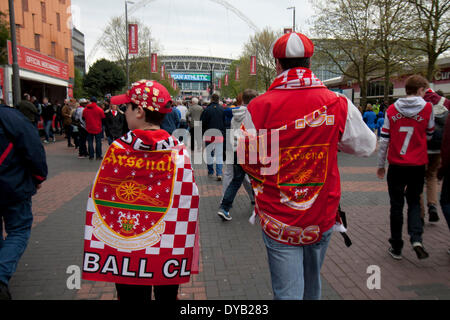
[(233, 262)]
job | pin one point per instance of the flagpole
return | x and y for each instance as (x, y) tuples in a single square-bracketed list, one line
[(256, 70), (150, 57), (126, 28), (15, 65)]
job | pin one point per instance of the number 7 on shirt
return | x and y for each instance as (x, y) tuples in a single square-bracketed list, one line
[(409, 132)]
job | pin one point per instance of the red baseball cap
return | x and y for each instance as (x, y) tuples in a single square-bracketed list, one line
[(293, 45), (148, 94)]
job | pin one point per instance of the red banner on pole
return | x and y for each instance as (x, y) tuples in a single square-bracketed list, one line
[(154, 63), (133, 46), (172, 83), (163, 72), (226, 80), (220, 84), (237, 76), (253, 65)]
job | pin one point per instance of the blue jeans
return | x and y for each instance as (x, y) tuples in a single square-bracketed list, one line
[(445, 199), (18, 220), (233, 187), (48, 130), (98, 145), (295, 270), (214, 149)]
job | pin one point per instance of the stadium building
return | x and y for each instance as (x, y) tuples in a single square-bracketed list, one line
[(195, 75)]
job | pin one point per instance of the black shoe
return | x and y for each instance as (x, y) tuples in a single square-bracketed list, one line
[(91, 158), (99, 158), (396, 254), (420, 251), (433, 215), (4, 292)]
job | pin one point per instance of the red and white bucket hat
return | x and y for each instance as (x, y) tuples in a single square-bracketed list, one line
[(292, 45)]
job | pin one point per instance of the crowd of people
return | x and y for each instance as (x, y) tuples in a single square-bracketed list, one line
[(297, 205)]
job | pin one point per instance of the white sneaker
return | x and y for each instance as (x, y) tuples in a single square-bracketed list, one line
[(225, 215), (420, 250)]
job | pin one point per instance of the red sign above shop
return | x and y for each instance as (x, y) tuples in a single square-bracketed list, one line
[(442, 75), (34, 61)]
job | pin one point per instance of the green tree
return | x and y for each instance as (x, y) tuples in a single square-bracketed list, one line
[(115, 44), (260, 45), (392, 26), (347, 31), (430, 31), (104, 77), (78, 89), (4, 36)]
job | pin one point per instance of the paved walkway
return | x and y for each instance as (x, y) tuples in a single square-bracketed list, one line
[(233, 258)]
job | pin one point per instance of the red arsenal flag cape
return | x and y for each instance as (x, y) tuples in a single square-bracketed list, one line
[(292, 165), (141, 218)]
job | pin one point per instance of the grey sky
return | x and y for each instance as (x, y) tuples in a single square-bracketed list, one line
[(193, 27)]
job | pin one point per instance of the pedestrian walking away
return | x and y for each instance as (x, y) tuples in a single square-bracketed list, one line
[(238, 176), (93, 116), (440, 111), (23, 168), (409, 123), (193, 115), (444, 173), (81, 125), (66, 113), (301, 124), (213, 129), (28, 109), (156, 237)]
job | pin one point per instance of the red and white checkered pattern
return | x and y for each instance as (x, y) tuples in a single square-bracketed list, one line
[(180, 220)]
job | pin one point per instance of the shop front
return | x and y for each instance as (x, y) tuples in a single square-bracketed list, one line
[(40, 76)]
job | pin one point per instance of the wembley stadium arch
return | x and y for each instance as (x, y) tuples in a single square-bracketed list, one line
[(195, 74), (142, 3)]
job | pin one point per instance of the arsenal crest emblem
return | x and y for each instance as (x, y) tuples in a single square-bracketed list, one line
[(127, 206), (300, 184)]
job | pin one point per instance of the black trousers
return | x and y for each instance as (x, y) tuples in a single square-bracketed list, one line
[(127, 292), (405, 182)]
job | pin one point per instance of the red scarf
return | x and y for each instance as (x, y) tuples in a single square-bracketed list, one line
[(296, 78)]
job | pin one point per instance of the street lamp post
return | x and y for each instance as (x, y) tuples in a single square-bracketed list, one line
[(126, 30), (211, 65), (15, 66), (293, 18), (150, 58)]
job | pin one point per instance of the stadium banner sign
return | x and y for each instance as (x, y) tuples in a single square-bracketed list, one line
[(201, 77)]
